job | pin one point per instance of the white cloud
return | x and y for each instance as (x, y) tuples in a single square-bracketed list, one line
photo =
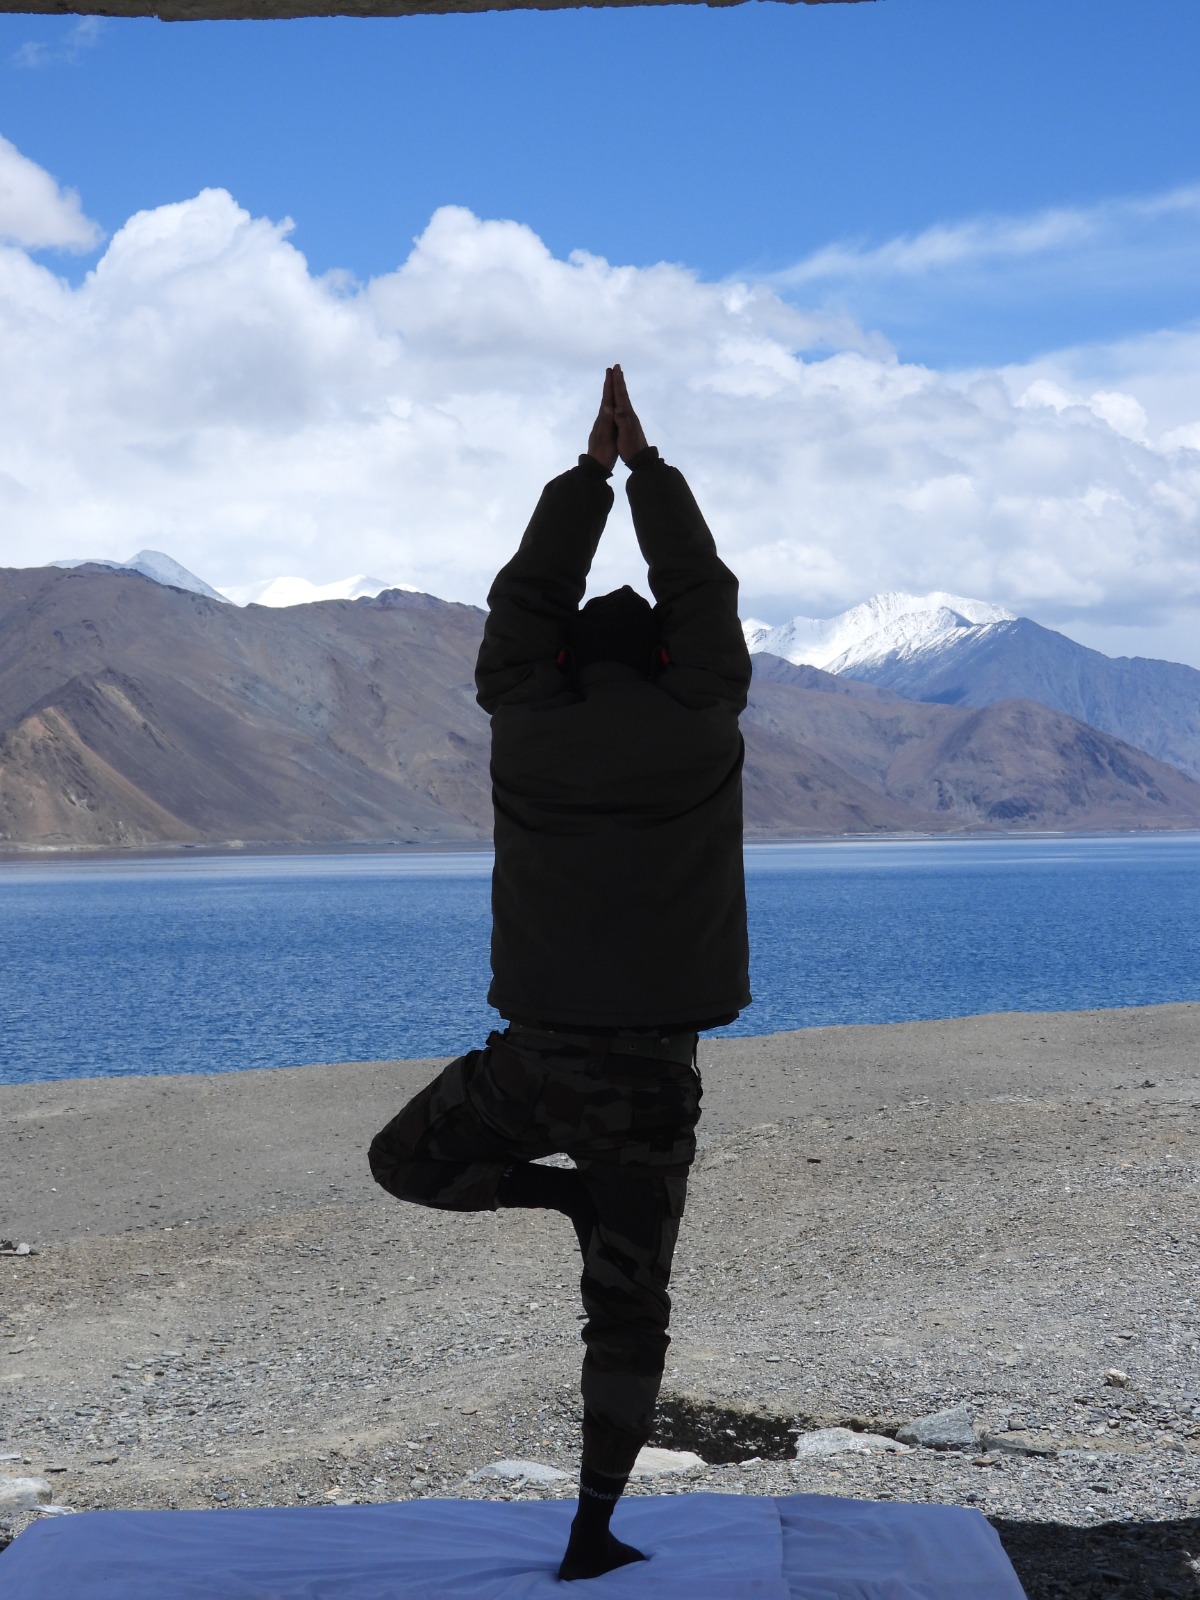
[(996, 288), (1158, 370), (35, 212), (81, 35), (201, 392), (994, 240)]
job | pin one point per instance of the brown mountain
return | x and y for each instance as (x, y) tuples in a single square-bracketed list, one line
[(131, 713), (135, 714), (1012, 765)]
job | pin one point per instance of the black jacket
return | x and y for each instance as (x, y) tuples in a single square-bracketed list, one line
[(617, 896)]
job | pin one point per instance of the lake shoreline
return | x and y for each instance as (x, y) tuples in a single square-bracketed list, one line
[(114, 1133), (233, 851)]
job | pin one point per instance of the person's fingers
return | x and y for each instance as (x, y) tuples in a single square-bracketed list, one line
[(625, 411), (602, 442), (624, 408)]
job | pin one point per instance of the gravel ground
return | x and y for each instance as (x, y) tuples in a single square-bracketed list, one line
[(884, 1221)]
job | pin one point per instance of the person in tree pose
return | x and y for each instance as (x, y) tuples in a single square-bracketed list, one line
[(618, 923)]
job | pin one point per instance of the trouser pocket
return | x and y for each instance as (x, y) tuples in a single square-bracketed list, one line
[(666, 1109), (505, 1089)]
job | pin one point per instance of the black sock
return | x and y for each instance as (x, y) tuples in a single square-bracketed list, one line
[(549, 1189), (593, 1549)]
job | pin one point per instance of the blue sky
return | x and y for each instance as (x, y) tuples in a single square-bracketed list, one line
[(958, 186), (730, 139)]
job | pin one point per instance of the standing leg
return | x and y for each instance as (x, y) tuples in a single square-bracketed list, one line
[(636, 1146), (626, 1271)]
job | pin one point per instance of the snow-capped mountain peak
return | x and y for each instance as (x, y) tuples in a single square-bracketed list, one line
[(151, 564), (302, 592), (287, 591), (884, 624)]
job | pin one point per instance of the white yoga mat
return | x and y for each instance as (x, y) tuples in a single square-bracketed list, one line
[(700, 1547)]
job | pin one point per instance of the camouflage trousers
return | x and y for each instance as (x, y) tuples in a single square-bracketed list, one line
[(628, 1123)]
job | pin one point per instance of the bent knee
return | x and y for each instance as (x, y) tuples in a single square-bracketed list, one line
[(391, 1166)]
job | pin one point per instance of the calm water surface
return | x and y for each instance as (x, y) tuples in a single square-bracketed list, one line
[(211, 964)]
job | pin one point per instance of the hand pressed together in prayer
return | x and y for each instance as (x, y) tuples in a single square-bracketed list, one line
[(616, 430)]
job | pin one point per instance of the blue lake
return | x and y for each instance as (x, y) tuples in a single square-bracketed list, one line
[(212, 964)]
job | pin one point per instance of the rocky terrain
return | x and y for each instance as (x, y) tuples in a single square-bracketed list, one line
[(996, 1213), (133, 714)]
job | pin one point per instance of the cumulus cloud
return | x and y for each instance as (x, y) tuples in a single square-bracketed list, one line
[(202, 392), (35, 212), (1156, 371)]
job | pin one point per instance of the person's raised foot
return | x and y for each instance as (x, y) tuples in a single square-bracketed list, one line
[(590, 1558), (525, 1184)]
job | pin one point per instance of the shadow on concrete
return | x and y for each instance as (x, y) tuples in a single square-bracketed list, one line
[(1112, 1561)]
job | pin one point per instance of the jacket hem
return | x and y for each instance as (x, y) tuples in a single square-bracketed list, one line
[(572, 1022)]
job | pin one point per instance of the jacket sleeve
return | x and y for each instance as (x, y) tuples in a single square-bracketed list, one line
[(696, 592), (540, 588)]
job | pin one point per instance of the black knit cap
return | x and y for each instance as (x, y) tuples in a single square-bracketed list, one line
[(615, 627)]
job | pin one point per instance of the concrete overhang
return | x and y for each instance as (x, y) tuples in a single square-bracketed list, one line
[(243, 10)]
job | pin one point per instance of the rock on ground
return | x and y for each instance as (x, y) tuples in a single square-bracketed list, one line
[(950, 1429), (839, 1441), (520, 1472), (654, 1462), (23, 1494)]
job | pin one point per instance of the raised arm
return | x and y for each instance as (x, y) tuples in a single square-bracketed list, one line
[(535, 593), (696, 592)]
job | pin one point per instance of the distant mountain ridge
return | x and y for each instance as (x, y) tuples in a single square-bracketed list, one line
[(283, 591), (939, 647), (151, 564), (300, 592), (137, 713), (951, 651), (1012, 765)]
